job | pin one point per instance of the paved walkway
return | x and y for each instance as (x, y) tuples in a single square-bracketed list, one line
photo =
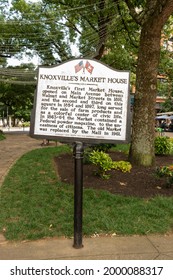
[(152, 247), (15, 145)]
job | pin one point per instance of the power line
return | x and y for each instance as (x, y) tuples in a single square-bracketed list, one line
[(52, 36), (90, 36), (18, 82), (9, 22)]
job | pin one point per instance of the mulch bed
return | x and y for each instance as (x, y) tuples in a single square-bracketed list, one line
[(140, 182)]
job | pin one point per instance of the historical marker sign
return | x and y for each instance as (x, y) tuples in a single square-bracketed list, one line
[(82, 100)]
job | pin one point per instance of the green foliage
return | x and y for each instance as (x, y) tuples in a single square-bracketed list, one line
[(50, 29), (163, 145), (48, 23), (165, 86), (124, 166), (104, 163), (167, 172), (86, 156), (171, 145), (2, 136), (103, 147), (167, 106), (26, 124), (99, 147), (18, 95)]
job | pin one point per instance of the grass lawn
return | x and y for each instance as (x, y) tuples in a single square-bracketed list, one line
[(35, 204)]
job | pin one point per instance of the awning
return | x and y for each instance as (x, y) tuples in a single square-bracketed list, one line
[(163, 117)]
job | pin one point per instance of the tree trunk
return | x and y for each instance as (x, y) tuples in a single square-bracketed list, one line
[(143, 130)]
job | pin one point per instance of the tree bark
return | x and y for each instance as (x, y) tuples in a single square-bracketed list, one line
[(143, 130)]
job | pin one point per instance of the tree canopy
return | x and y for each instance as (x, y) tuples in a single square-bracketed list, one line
[(16, 94), (126, 34)]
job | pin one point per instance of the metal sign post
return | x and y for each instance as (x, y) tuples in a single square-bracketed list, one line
[(78, 194)]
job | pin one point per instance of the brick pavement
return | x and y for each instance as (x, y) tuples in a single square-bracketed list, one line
[(13, 148)]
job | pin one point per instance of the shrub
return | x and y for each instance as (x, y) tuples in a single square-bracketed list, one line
[(171, 145), (104, 163), (26, 124), (124, 166), (167, 172), (2, 135), (86, 157), (163, 145), (98, 147), (103, 147)]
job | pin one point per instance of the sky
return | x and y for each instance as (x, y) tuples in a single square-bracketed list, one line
[(16, 62)]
